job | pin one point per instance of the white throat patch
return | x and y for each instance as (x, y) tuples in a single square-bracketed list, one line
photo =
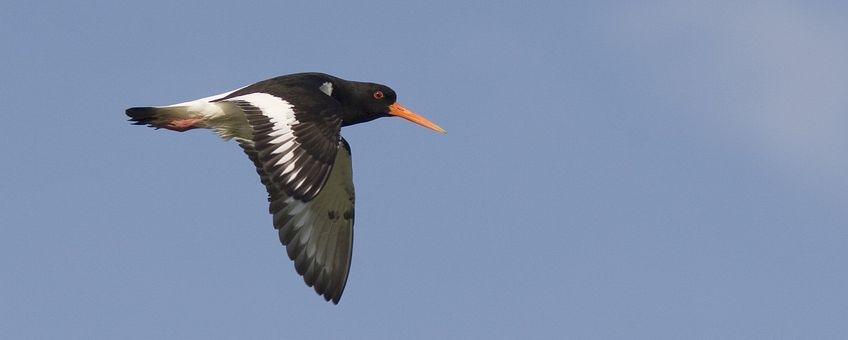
[(327, 88)]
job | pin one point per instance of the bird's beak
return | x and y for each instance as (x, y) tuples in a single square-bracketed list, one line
[(400, 111)]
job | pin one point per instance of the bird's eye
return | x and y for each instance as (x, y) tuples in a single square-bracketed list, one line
[(378, 95)]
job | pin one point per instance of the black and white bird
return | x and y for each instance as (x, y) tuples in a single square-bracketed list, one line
[(289, 126)]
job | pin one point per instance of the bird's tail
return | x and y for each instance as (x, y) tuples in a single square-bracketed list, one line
[(176, 118)]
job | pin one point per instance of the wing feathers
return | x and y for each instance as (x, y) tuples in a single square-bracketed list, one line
[(296, 149), (306, 169)]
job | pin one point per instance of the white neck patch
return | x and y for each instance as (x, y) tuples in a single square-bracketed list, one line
[(327, 88)]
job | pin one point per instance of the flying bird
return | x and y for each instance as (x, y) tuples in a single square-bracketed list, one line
[(289, 126)]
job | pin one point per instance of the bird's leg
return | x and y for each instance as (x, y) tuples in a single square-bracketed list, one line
[(181, 124)]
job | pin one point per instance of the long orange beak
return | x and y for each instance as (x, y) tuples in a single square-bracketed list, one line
[(400, 111)]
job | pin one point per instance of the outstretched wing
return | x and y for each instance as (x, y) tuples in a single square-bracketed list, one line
[(318, 234), (305, 166), (296, 147)]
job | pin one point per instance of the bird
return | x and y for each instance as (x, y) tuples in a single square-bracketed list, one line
[(290, 128)]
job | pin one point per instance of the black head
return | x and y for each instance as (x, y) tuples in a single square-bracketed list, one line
[(369, 101), (366, 102)]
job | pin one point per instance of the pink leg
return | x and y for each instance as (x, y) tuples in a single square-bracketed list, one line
[(181, 125)]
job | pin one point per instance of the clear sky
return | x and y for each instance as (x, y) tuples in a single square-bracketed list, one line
[(660, 170)]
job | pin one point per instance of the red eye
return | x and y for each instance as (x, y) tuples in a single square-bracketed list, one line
[(378, 95)]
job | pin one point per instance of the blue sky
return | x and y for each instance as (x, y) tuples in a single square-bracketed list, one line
[(659, 170)]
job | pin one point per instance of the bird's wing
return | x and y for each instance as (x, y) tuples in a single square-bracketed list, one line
[(306, 168), (318, 234), (295, 148)]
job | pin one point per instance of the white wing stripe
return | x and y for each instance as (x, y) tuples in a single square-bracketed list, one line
[(278, 110), (280, 140), (281, 115), (288, 168), (286, 157), (286, 147)]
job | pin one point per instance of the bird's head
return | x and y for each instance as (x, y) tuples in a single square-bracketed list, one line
[(371, 101)]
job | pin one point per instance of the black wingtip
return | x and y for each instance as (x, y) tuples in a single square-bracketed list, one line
[(333, 299), (327, 293), (333, 295)]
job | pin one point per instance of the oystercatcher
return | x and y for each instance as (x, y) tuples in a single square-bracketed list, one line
[(289, 126)]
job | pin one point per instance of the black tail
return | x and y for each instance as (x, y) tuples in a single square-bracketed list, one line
[(142, 115)]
